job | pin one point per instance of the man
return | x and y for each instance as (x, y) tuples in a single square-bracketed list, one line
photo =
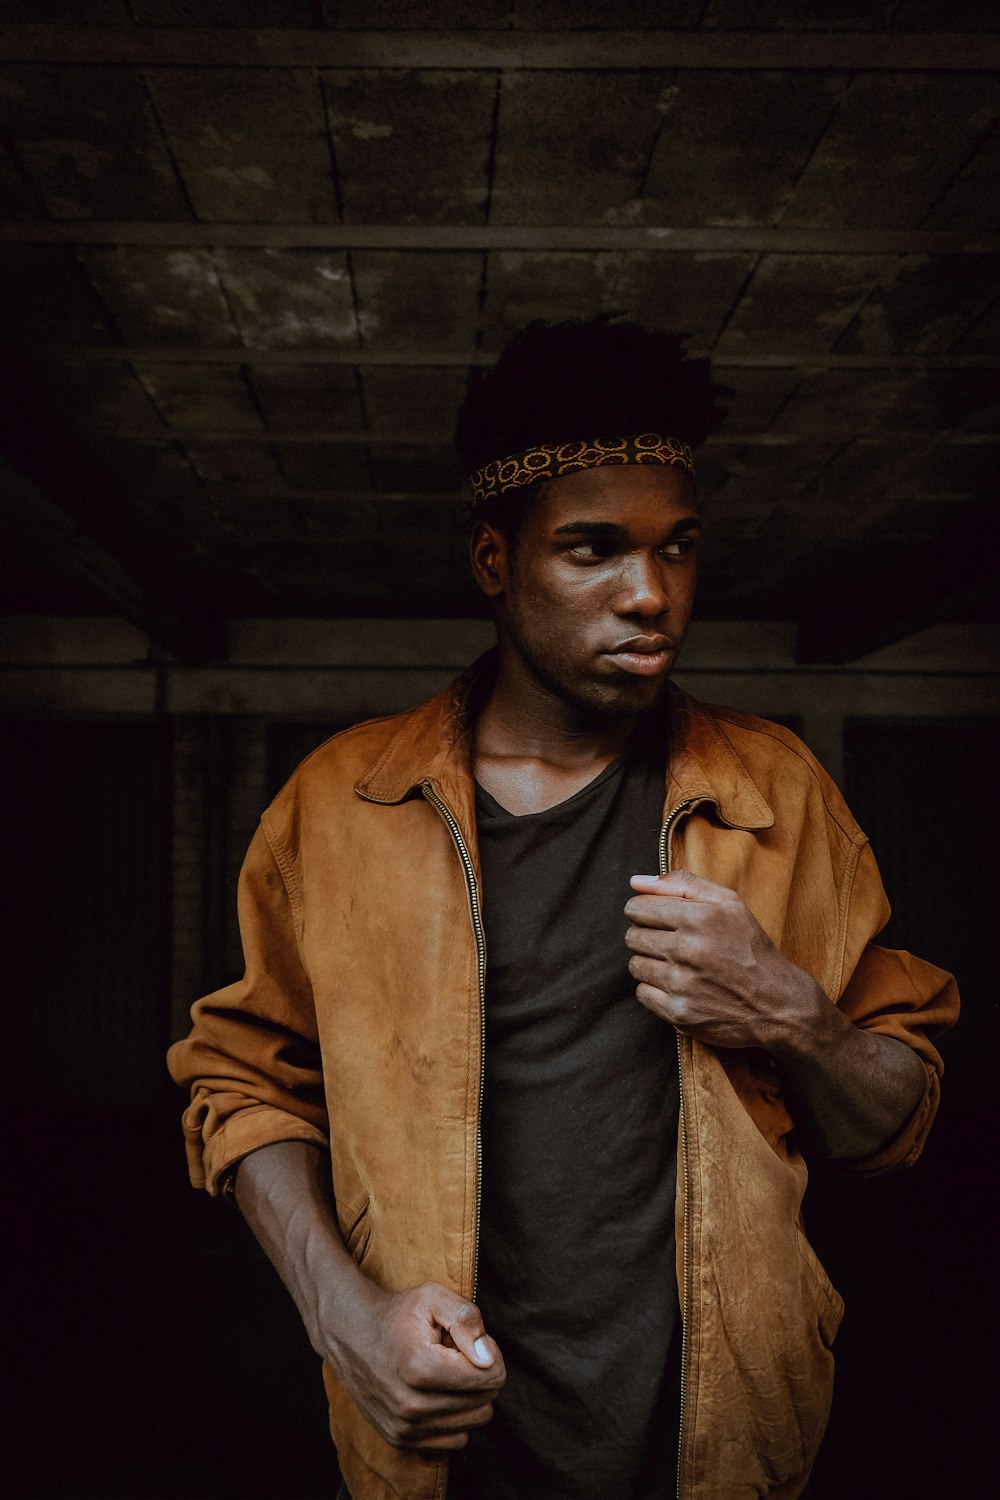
[(544, 965)]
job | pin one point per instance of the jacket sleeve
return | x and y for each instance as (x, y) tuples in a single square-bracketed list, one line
[(252, 1060), (897, 995)]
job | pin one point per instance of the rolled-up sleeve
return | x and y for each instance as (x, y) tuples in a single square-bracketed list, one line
[(252, 1060), (897, 995)]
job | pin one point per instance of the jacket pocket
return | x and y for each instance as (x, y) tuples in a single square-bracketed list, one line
[(828, 1302)]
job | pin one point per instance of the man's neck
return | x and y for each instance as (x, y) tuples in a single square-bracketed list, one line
[(532, 750), (523, 720)]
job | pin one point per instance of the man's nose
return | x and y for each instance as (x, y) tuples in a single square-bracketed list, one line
[(643, 588)]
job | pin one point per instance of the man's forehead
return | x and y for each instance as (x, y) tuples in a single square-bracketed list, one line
[(614, 492)]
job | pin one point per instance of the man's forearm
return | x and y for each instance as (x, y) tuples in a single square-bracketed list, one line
[(419, 1363), (705, 964), (852, 1090), (283, 1192)]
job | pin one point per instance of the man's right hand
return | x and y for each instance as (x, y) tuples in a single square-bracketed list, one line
[(419, 1365)]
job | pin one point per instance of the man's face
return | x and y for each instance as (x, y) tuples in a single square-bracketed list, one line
[(595, 594)]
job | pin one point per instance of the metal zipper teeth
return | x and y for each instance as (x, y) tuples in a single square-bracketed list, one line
[(480, 935), (665, 832)]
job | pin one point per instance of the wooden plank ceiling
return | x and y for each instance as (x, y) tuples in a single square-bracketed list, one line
[(249, 253)]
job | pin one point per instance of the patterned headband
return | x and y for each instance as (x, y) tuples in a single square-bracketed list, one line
[(549, 460)]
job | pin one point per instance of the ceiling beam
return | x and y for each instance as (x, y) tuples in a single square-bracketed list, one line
[(187, 354), (35, 523), (179, 46), (709, 239)]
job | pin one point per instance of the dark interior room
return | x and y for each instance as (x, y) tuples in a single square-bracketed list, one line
[(250, 251)]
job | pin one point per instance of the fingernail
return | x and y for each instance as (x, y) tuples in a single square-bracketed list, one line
[(646, 879), (482, 1353)]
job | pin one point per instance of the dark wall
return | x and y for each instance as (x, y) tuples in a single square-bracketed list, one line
[(913, 1253), (158, 1354)]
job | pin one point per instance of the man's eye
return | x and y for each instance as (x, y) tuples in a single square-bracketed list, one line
[(679, 547), (588, 549)]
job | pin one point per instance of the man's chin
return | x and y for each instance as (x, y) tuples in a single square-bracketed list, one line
[(623, 695)]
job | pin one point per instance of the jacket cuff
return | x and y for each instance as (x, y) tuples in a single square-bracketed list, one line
[(211, 1162), (905, 1147)]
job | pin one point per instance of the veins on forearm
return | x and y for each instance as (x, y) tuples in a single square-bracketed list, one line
[(851, 1090)]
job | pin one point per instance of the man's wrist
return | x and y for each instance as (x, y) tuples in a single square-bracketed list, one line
[(806, 1024)]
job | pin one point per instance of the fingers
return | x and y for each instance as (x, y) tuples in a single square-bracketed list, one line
[(684, 885), (428, 1427), (659, 1002), (667, 944), (464, 1323)]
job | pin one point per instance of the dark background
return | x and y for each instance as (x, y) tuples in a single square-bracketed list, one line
[(158, 1354)]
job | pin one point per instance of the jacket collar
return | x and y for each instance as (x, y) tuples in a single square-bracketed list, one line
[(432, 745)]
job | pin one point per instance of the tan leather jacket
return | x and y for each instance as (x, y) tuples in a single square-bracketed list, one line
[(359, 1025)]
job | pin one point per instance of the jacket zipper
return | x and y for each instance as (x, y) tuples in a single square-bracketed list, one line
[(477, 926), (665, 865)]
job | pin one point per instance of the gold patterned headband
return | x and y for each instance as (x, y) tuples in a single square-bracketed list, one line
[(549, 460)]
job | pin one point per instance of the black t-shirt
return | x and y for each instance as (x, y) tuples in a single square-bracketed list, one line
[(580, 1111)]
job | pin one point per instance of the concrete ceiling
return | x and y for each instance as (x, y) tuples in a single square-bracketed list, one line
[(250, 251)]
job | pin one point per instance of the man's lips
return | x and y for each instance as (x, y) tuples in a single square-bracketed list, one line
[(643, 655)]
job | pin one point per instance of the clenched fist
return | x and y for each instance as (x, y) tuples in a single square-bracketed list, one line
[(420, 1366)]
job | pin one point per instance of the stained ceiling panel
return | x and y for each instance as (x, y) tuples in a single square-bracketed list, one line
[(869, 169), (17, 199), (691, 294), (161, 473), (428, 468), (76, 12), (106, 400), (733, 145), (411, 15), (823, 15), (758, 397), (412, 147), (223, 12), (522, 285), (837, 401), (926, 15), (202, 398), (284, 298), (925, 306), (88, 140), (641, 15), (47, 298), (425, 399), (799, 303), (157, 295), (308, 398), (251, 144), (574, 148), (973, 200), (249, 464), (326, 466), (422, 300)]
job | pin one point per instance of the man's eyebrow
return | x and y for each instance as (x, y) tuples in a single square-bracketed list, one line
[(611, 528)]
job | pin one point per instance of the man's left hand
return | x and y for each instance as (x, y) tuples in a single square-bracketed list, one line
[(705, 964)]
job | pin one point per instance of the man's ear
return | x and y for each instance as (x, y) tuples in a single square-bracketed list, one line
[(489, 554)]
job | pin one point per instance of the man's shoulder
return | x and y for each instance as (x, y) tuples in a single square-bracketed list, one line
[(780, 764), (349, 753), (760, 738)]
